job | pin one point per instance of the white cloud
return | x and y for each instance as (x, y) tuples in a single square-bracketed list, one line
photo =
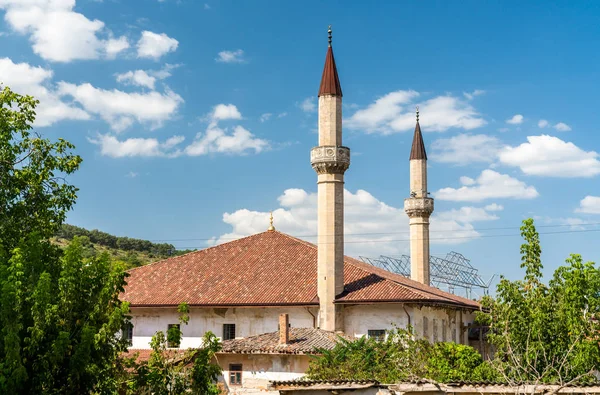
[(218, 140), (550, 156), (466, 180), (121, 109), (282, 114), (394, 112), (115, 46), (562, 127), (463, 149), (515, 120), (371, 226), (236, 56), (265, 117), (132, 147), (489, 185), (153, 45), (467, 215), (308, 105), (223, 112), (25, 79), (494, 207), (59, 34), (137, 77), (132, 174), (475, 93), (589, 205), (542, 123)]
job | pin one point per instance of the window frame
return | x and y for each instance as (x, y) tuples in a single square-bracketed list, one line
[(127, 333), (227, 333), (377, 334), (235, 373)]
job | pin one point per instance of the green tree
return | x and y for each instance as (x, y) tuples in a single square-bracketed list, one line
[(546, 333), (170, 371), (59, 311)]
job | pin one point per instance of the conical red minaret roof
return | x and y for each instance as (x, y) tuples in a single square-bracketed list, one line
[(330, 82), (418, 146)]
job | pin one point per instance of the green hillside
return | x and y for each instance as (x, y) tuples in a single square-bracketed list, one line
[(133, 252)]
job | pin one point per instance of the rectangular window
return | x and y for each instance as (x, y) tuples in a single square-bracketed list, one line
[(235, 374), (173, 336), (377, 334), (228, 332), (127, 333)]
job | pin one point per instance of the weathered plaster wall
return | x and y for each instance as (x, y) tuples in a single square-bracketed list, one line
[(259, 369), (432, 323), (248, 322)]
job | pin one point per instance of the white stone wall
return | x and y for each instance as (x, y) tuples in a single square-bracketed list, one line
[(435, 324), (259, 369), (248, 322)]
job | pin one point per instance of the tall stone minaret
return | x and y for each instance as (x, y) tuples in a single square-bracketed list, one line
[(330, 160), (419, 207)]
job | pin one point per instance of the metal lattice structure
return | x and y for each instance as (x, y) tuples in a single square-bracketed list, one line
[(454, 272)]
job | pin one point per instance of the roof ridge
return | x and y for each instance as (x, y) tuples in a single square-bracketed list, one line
[(204, 250)]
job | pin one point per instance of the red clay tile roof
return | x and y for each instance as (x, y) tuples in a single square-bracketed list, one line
[(302, 341), (417, 150), (268, 269), (330, 82), (143, 354)]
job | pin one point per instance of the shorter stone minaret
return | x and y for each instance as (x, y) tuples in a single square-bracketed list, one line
[(330, 160), (419, 207)]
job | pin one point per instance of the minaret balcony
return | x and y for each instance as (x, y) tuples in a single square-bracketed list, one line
[(330, 159), (418, 206)]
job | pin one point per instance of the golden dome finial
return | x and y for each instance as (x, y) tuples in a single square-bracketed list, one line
[(271, 227)]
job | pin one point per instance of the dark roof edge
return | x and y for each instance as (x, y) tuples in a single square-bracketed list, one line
[(426, 302), (221, 306)]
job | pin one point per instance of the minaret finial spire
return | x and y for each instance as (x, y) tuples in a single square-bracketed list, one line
[(271, 227), (417, 113), (329, 33)]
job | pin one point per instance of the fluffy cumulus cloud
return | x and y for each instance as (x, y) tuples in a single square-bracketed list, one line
[(463, 149), (36, 81), (472, 95), (589, 205), (154, 45), (121, 109), (395, 112), (372, 227), (236, 56), (489, 185), (145, 78), (515, 120), (59, 34), (560, 126), (115, 148), (238, 141), (550, 156), (223, 112), (215, 140)]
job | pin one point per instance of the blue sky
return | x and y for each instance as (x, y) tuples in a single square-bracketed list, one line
[(195, 119)]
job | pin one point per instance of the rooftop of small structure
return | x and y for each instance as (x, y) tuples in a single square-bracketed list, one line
[(301, 341)]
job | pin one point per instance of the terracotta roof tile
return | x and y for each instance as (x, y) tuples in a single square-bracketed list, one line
[(302, 341), (243, 273)]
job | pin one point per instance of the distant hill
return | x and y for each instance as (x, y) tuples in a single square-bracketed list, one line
[(134, 252)]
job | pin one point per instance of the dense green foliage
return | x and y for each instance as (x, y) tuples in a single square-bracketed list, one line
[(59, 311), (173, 372), (162, 250), (546, 333), (401, 356)]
